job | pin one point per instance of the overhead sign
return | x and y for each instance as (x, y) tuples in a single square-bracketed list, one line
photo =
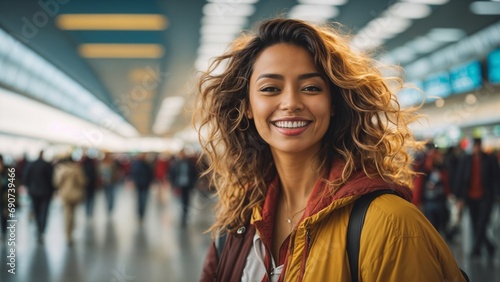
[(494, 67), (437, 86), (466, 77)]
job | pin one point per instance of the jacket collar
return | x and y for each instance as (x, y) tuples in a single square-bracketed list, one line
[(321, 199)]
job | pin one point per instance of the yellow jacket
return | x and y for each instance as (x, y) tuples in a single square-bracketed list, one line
[(397, 243)]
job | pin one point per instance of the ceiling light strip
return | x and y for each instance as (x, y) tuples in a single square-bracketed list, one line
[(121, 51), (111, 22)]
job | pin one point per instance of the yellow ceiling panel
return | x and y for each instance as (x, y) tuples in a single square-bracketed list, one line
[(111, 22)]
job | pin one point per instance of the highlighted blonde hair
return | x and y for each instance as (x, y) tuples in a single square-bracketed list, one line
[(369, 130)]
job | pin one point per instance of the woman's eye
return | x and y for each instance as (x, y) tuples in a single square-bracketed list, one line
[(269, 89), (312, 88)]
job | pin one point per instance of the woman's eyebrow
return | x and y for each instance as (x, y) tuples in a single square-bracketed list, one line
[(281, 77)]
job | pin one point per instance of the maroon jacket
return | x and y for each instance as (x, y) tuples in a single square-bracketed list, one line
[(234, 256)]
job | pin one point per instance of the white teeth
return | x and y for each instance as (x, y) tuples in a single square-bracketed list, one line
[(290, 124)]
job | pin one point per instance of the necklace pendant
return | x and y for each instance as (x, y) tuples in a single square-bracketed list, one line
[(289, 221)]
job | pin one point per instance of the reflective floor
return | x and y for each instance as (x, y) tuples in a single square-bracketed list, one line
[(120, 249), (114, 249)]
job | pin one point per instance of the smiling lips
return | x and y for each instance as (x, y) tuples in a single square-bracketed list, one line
[(291, 124), (291, 127)]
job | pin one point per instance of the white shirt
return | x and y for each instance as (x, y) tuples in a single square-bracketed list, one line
[(255, 268)]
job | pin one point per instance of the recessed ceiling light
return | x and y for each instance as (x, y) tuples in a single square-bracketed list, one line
[(385, 27), (428, 2), (212, 48), (313, 11), (233, 2), (410, 10), (365, 42), (111, 22), (323, 2), (423, 44), (230, 10), (174, 102), (391, 23), (446, 34), (403, 54), (121, 51), (219, 29), (485, 7), (217, 38), (239, 21)]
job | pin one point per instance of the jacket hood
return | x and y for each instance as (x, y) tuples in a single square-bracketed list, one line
[(358, 185)]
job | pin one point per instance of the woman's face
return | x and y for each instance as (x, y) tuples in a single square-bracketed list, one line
[(289, 100)]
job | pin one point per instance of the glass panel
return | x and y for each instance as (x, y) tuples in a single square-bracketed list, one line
[(41, 89), (3, 58), (10, 72), (22, 80), (7, 42)]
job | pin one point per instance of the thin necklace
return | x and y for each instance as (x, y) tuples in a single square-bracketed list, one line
[(290, 219)]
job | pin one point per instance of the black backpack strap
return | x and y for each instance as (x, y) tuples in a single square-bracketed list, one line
[(356, 221), (355, 225)]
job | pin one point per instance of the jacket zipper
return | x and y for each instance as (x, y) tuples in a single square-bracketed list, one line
[(305, 254)]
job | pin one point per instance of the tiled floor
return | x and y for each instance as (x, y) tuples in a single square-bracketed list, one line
[(120, 249)]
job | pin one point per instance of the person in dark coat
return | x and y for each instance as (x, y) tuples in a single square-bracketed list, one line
[(90, 169), (434, 189), (478, 173), (183, 177), (142, 175), (108, 175), (39, 175)]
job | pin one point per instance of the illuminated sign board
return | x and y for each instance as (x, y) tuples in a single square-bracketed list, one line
[(494, 67), (437, 86), (466, 77)]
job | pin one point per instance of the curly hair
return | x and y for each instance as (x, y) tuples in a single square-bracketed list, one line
[(369, 130)]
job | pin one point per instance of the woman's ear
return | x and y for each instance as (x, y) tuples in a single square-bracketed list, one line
[(249, 113), (332, 111)]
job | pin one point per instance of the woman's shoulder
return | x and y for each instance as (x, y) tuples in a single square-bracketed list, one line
[(397, 214)]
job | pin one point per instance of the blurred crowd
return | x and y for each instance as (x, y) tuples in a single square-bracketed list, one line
[(452, 181), (76, 180)]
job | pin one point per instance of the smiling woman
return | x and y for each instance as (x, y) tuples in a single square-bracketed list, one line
[(296, 128), (290, 101)]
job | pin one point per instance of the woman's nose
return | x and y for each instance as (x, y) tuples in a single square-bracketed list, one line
[(291, 101)]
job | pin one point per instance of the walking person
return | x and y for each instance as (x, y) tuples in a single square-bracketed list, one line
[(108, 175), (183, 177), (434, 190), (161, 167), (142, 176), (296, 128), (478, 175), (38, 180), (451, 161), (70, 181), (90, 169)]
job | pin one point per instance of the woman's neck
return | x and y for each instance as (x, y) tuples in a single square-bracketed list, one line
[(297, 174)]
